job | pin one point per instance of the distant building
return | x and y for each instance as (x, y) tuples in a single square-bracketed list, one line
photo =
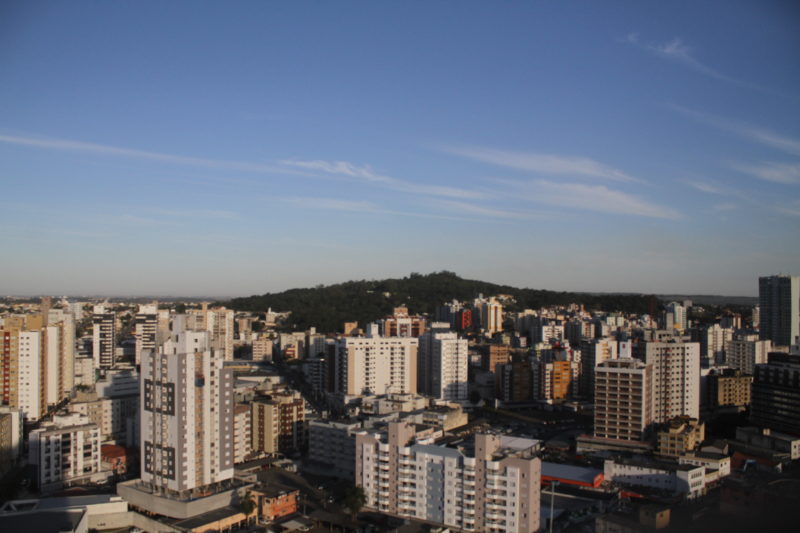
[(779, 309), (679, 479), (11, 431), (401, 324), (493, 355), (104, 337), (262, 348), (514, 381)]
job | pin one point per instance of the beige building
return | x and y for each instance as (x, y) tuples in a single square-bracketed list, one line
[(262, 348), (728, 387), (623, 407), (242, 433), (676, 377), (680, 435), (278, 423), (375, 365)]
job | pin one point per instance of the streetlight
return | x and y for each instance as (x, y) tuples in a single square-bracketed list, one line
[(553, 484)]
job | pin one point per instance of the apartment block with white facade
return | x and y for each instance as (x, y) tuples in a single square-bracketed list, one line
[(744, 352), (443, 364), (676, 377), (186, 414), (104, 337), (65, 451), (376, 365), (494, 487)]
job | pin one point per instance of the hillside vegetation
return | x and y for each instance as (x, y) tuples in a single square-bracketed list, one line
[(328, 307)]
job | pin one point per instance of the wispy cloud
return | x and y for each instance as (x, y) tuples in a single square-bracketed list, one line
[(366, 173), (101, 149), (357, 206), (723, 207), (677, 51), (594, 198), (785, 173), (484, 211), (543, 163), (193, 213), (705, 187), (758, 134)]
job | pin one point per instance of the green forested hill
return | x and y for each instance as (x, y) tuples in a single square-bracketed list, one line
[(328, 307)]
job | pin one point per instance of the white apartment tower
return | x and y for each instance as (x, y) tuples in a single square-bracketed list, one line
[(676, 378), (494, 489), (491, 314), (779, 313), (443, 363), (376, 365), (104, 337), (186, 406)]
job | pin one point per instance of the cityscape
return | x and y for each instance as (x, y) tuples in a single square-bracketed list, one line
[(412, 267)]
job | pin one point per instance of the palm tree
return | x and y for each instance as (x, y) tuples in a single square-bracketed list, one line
[(247, 505), (354, 500)]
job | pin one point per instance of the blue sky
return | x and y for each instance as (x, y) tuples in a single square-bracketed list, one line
[(201, 148)]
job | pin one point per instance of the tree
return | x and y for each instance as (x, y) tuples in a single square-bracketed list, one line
[(354, 500), (247, 505)]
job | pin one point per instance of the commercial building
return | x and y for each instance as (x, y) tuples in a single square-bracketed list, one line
[(623, 399), (187, 415), (492, 486), (776, 394), (779, 309), (679, 479)]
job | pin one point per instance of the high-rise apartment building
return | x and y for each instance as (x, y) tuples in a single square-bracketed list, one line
[(151, 328), (11, 431), (104, 337), (491, 314), (675, 317), (495, 488), (219, 322), (728, 388), (779, 309), (375, 365), (775, 401), (555, 380), (187, 414), (278, 423), (242, 433), (676, 377), (713, 340), (443, 364), (623, 399)]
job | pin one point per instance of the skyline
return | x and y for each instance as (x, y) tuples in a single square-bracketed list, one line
[(158, 149)]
